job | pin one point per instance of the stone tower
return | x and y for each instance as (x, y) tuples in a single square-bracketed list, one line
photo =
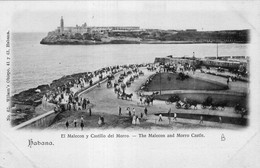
[(61, 25)]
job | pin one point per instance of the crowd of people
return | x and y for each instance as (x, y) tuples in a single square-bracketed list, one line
[(65, 95)]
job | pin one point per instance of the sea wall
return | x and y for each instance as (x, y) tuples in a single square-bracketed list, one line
[(41, 121)]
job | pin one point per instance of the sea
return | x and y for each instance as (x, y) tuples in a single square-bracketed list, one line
[(33, 64)]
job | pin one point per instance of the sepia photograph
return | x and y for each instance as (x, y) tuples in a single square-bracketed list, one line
[(106, 70), (130, 70)]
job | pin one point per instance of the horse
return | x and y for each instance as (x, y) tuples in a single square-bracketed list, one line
[(117, 90), (128, 96), (141, 73), (109, 84), (128, 83), (147, 101)]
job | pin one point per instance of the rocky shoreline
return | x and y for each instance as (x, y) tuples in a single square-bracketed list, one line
[(55, 40), (90, 42)]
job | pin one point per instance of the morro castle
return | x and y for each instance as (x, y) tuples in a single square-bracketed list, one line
[(87, 29)]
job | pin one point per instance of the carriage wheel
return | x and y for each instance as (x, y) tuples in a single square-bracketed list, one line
[(186, 106), (178, 106)]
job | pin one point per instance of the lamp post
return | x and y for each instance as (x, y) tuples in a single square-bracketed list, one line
[(160, 81), (217, 50)]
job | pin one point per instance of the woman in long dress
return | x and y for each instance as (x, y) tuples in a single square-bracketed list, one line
[(137, 121), (99, 121), (134, 120)]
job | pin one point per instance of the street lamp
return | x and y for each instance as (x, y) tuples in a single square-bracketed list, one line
[(160, 81)]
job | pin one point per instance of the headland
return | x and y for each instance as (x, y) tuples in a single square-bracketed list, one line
[(92, 35)]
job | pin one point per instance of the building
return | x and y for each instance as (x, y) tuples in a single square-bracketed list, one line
[(191, 30), (87, 29)]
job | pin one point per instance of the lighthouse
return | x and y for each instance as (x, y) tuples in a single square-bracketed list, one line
[(61, 25)]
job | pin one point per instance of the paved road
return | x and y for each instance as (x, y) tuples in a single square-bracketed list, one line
[(105, 101)]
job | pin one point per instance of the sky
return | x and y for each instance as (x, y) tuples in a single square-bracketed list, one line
[(200, 15)]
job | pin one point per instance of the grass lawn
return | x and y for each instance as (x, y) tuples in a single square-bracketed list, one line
[(169, 82)]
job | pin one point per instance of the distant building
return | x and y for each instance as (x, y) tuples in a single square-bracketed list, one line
[(85, 29), (191, 30)]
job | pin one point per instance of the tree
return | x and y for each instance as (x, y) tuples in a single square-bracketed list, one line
[(78, 36), (87, 36)]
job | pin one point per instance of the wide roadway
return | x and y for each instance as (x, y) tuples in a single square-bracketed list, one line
[(105, 102)]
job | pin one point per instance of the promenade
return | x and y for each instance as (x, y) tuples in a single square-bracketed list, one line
[(104, 102)]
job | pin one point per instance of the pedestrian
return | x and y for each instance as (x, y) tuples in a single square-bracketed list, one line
[(81, 119), (88, 102), (160, 117), (90, 111), (82, 125), (67, 124), (75, 122), (137, 121), (119, 111), (220, 119), (84, 104), (227, 80), (243, 112), (133, 111), (145, 111), (99, 121), (141, 100), (201, 119), (142, 115), (102, 120), (129, 111), (169, 112), (152, 99), (175, 116), (134, 120)]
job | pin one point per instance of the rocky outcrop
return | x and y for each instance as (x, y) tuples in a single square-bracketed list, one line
[(149, 36), (59, 40)]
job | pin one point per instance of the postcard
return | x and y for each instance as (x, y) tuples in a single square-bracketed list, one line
[(129, 84)]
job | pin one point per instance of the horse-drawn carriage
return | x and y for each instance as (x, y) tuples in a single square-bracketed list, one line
[(240, 110), (128, 83), (131, 79), (121, 78), (109, 84), (141, 73), (208, 103), (124, 96), (129, 72), (182, 76), (136, 76), (172, 99), (110, 77), (147, 99), (186, 104), (219, 69)]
